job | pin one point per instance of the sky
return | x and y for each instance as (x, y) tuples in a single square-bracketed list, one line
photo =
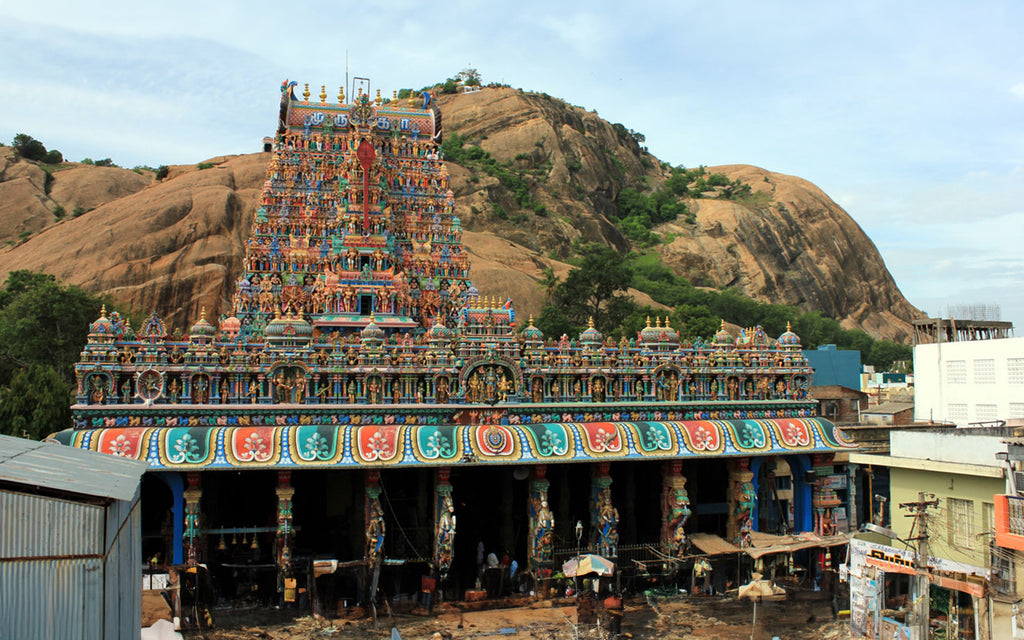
[(909, 115)]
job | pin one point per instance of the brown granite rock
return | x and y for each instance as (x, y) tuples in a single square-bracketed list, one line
[(177, 245)]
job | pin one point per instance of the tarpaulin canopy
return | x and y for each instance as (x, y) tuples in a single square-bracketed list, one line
[(713, 545), (766, 543)]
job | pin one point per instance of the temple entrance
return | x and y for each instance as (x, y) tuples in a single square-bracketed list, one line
[(157, 521), (636, 493), (775, 497), (707, 482), (239, 516), (491, 507)]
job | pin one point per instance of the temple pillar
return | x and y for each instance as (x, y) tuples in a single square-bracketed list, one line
[(191, 536), (604, 517), (541, 522), (283, 539), (444, 523), (823, 496), (374, 514), (675, 509), (742, 500)]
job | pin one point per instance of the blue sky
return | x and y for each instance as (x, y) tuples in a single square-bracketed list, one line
[(909, 115)]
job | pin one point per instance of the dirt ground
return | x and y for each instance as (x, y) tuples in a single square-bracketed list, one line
[(801, 617)]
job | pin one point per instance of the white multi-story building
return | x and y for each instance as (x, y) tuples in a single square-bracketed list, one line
[(972, 381)]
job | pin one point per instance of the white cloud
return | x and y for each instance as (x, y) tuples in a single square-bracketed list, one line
[(1018, 90)]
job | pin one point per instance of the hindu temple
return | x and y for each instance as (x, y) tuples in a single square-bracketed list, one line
[(363, 404)]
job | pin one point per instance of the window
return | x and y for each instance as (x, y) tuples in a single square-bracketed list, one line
[(960, 524), (985, 371), (956, 372), (986, 412), (1015, 370), (1016, 410), (956, 412)]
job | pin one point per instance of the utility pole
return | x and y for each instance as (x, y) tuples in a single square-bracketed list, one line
[(922, 604)]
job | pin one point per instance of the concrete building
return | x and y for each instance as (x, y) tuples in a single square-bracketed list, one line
[(834, 366), (70, 542), (964, 474), (891, 413), (969, 382)]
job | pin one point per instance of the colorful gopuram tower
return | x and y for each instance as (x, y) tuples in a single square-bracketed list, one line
[(355, 221)]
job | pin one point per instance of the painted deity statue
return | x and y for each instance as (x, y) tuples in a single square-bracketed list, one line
[(679, 513), (375, 533), (608, 533), (445, 544), (544, 533), (743, 509)]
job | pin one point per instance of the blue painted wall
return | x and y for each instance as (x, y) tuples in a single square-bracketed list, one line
[(832, 366)]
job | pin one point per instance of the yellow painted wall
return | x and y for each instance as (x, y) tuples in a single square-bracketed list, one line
[(904, 487)]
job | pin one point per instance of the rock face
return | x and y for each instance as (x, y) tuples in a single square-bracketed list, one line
[(800, 248), (177, 245)]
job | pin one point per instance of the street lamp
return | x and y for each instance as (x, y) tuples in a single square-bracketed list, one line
[(579, 536)]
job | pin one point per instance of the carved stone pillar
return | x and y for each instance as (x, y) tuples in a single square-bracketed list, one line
[(192, 538), (823, 496), (675, 509), (742, 500), (444, 523), (374, 520), (542, 521), (604, 517), (283, 538)]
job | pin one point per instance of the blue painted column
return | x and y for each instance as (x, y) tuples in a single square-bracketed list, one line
[(803, 511), (177, 486)]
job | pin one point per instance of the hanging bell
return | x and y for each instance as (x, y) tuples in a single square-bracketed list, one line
[(234, 539), (220, 545), (255, 543)]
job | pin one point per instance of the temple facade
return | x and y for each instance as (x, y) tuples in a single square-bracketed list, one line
[(363, 402)]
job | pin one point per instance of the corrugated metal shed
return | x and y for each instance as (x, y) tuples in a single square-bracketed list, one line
[(63, 468), (70, 543)]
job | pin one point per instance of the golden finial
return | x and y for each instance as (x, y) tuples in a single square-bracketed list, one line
[(788, 327), (305, 93), (323, 93), (723, 325), (657, 322), (378, 98), (394, 95), (648, 321), (531, 320), (202, 314), (103, 311), (341, 95), (590, 322)]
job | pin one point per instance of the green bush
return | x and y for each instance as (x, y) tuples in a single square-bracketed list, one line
[(105, 162), (77, 211), (58, 212), (53, 157), (205, 165), (162, 172), (29, 148)]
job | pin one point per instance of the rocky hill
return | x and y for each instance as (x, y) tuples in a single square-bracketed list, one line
[(541, 174)]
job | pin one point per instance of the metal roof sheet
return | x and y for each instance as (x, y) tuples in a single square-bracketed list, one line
[(55, 466)]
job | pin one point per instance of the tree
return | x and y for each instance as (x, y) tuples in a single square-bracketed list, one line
[(36, 403), (549, 283), (596, 289), (29, 148), (42, 322), (470, 77)]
